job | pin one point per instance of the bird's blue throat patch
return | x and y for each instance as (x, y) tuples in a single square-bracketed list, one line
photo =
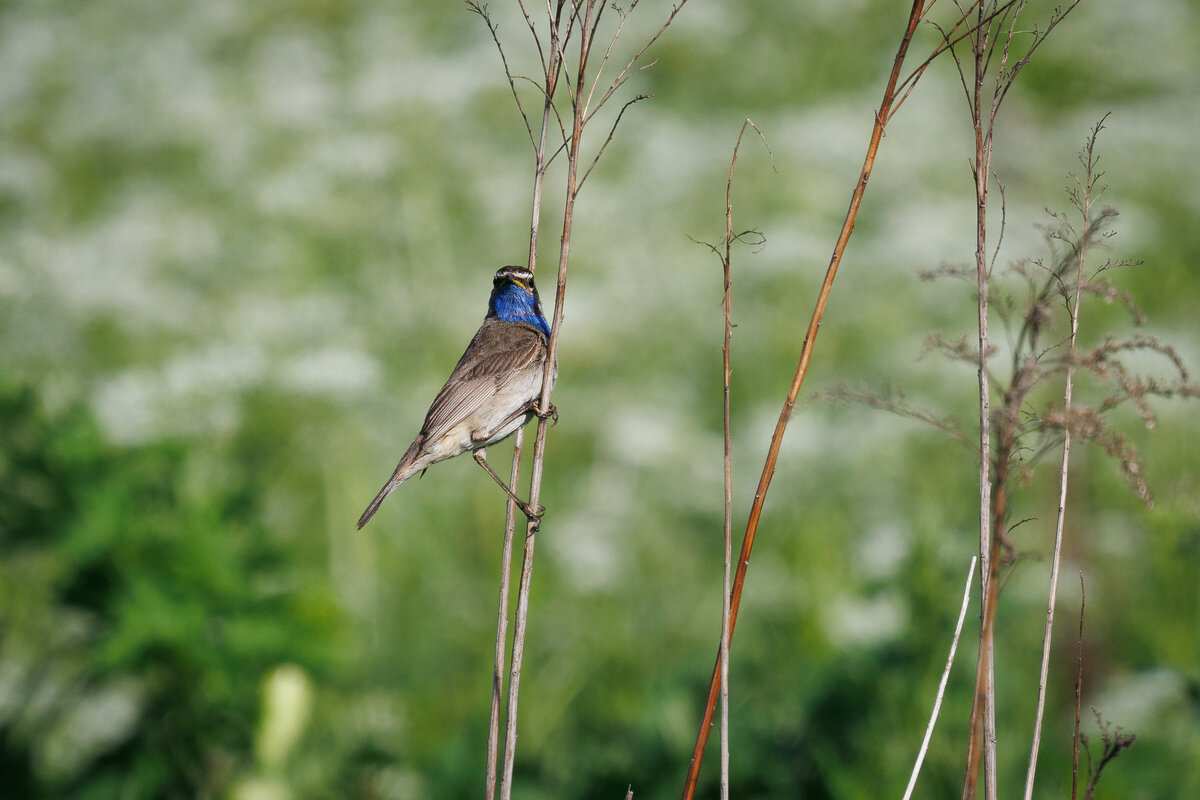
[(513, 303)]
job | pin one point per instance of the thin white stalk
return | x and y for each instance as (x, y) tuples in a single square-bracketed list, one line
[(1064, 469), (937, 703), (1053, 595)]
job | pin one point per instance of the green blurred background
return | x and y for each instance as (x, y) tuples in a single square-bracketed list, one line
[(242, 244)]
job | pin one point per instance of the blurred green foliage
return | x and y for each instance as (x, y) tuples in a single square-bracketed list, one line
[(240, 247), (141, 606)]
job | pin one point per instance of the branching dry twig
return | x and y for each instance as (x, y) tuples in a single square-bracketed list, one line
[(1111, 745), (725, 254), (1026, 430), (890, 397)]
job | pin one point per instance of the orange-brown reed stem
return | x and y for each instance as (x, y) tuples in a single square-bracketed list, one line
[(882, 116)]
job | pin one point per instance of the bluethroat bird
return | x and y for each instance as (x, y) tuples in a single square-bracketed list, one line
[(493, 390)]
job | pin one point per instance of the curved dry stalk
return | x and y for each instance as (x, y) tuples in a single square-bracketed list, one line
[(768, 472), (537, 41), (937, 703), (481, 10), (611, 132)]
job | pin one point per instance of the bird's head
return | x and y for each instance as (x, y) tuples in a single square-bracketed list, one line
[(515, 298), (521, 277)]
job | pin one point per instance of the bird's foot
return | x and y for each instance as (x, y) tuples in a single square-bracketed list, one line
[(533, 514), (550, 413)]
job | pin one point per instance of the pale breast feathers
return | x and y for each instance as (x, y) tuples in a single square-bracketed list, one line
[(500, 355)]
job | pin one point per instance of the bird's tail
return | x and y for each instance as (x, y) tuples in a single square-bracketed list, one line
[(404, 471)]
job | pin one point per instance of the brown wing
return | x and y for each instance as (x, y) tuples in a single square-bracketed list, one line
[(499, 352)]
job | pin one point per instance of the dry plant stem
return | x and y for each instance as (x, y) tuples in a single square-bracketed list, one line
[(987, 35), (1006, 445), (937, 704), (983, 168), (987, 678), (551, 80), (728, 523), (1078, 690), (1086, 212), (502, 618), (583, 17), (882, 115), (586, 32)]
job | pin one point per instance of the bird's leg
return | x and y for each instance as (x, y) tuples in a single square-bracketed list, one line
[(551, 413), (529, 408), (530, 512)]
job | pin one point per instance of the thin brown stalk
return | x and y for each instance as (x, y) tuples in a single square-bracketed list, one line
[(611, 132), (510, 522), (582, 19), (937, 703), (984, 704), (551, 79), (537, 40), (624, 14), (725, 254), (512, 81), (539, 448), (727, 527), (625, 73), (996, 27), (768, 472), (988, 11), (1078, 691), (727, 306), (1085, 210)]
